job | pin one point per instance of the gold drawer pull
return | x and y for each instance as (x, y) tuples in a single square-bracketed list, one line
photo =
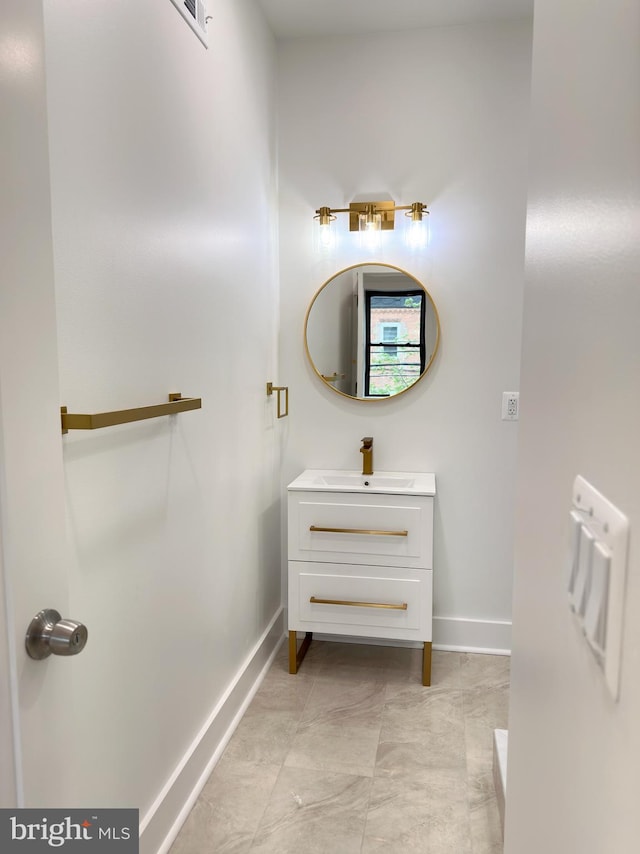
[(401, 607), (359, 531)]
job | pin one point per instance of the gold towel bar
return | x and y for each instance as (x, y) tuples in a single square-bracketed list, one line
[(177, 403), (401, 607), (282, 413), (359, 531)]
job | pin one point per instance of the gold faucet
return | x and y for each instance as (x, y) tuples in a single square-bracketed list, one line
[(367, 455)]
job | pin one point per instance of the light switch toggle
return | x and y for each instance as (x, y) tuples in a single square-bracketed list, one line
[(575, 523), (583, 571), (595, 617)]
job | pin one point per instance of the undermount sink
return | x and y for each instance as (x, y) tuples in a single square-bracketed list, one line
[(388, 482)]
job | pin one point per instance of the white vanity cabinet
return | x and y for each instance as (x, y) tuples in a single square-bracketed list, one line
[(360, 552)]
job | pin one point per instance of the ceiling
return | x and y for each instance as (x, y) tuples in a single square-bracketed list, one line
[(300, 18)]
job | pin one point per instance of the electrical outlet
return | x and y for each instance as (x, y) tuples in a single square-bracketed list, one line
[(510, 405)]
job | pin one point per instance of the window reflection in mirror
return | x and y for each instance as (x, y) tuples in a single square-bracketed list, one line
[(395, 341), (372, 331)]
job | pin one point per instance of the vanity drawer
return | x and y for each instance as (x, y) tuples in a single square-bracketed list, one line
[(360, 600), (380, 530)]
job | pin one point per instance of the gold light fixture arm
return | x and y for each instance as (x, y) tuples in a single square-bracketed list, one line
[(325, 214), (78, 421), (416, 210)]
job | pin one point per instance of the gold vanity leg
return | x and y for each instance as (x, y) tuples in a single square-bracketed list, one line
[(296, 655), (426, 664), (293, 652)]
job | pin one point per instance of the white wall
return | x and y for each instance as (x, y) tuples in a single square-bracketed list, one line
[(574, 774), (163, 200), (438, 116)]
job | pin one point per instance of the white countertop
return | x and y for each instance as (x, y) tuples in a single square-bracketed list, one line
[(387, 482)]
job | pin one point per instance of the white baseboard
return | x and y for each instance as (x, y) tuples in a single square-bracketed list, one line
[(452, 634), (162, 823), (459, 634)]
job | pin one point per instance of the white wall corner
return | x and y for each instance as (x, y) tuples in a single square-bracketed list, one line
[(464, 635), (500, 753), (162, 823)]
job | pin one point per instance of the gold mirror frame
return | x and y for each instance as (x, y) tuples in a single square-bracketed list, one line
[(327, 381)]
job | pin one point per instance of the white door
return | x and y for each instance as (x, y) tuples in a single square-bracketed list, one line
[(8, 795), (33, 555)]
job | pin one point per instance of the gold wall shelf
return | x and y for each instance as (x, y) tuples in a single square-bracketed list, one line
[(177, 403)]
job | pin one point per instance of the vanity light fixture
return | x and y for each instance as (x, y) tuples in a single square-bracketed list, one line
[(370, 218)]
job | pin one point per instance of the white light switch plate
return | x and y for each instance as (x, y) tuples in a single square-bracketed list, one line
[(609, 528)]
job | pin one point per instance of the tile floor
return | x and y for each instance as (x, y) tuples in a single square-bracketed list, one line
[(354, 755)]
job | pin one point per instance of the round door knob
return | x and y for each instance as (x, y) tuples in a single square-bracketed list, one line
[(48, 633)]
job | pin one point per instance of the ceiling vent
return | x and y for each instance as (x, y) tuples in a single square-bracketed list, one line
[(195, 14)]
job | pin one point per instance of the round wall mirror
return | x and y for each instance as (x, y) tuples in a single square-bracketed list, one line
[(372, 331)]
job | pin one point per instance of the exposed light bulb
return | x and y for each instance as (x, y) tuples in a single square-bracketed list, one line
[(371, 240), (326, 237), (370, 224), (417, 234)]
